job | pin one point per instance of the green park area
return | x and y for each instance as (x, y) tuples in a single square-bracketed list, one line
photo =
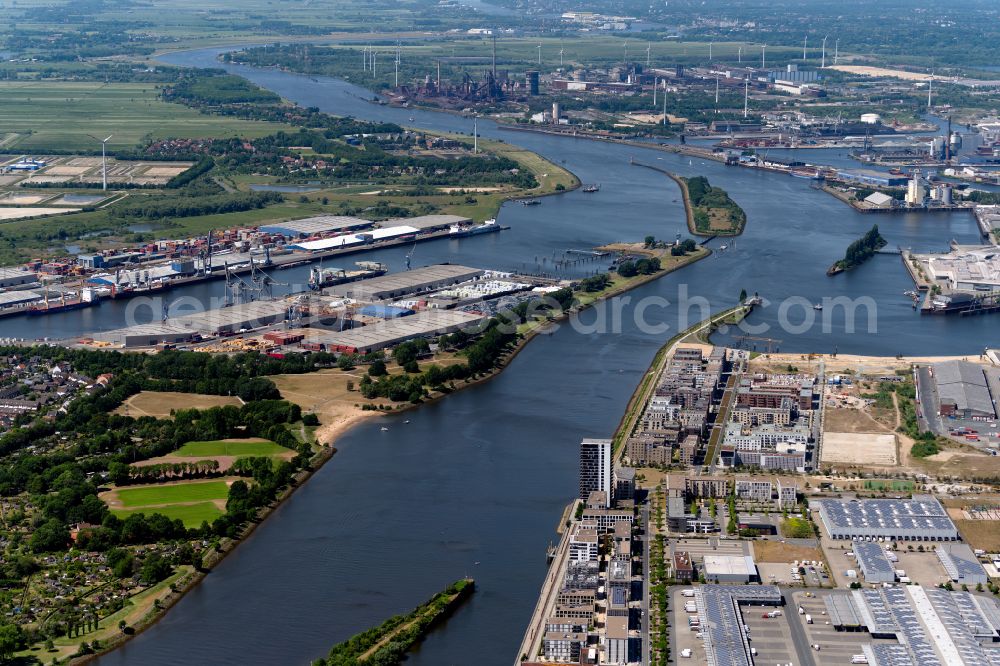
[(192, 515), (172, 493), (41, 116), (230, 448), (889, 484)]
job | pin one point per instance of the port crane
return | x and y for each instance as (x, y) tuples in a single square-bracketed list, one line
[(257, 287), (409, 255)]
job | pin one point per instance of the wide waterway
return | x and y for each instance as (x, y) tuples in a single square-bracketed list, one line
[(474, 484)]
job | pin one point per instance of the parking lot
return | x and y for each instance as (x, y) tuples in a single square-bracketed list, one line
[(770, 637), (682, 637), (836, 647)]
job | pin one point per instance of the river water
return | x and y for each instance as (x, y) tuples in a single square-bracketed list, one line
[(474, 485)]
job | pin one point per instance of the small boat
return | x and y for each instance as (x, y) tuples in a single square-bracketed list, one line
[(411, 119), (531, 202), (592, 188), (384, 429), (723, 248), (818, 306), (406, 421)]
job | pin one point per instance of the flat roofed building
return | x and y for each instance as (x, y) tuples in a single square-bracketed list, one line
[(312, 226), (397, 285), (962, 390), (961, 564), (583, 545), (15, 277), (729, 568), (919, 519), (391, 332), (873, 562)]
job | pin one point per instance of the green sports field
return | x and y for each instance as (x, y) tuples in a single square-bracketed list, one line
[(201, 491), (58, 115), (889, 484), (230, 448), (192, 515)]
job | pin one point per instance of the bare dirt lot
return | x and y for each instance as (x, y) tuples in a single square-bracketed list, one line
[(859, 448), (776, 551), (159, 404)]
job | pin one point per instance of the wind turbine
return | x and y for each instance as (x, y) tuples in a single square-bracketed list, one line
[(561, 56), (656, 82), (739, 54), (648, 47), (746, 96), (805, 44), (626, 52), (930, 89), (710, 51), (823, 65), (539, 55), (763, 50), (104, 159), (836, 51)]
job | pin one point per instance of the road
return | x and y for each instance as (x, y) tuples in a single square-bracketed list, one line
[(799, 638), (646, 566), (927, 400)]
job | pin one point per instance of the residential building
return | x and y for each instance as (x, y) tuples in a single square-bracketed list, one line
[(595, 468)]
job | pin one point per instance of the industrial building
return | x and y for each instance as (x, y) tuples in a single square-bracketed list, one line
[(16, 277), (872, 177), (962, 390), (919, 519), (931, 626), (724, 633), (147, 335), (360, 238), (729, 569), (415, 281), (965, 268), (390, 332), (314, 226), (961, 564), (874, 564), (235, 318)]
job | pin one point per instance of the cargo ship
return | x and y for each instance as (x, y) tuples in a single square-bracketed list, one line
[(84, 299), (320, 277), (487, 227)]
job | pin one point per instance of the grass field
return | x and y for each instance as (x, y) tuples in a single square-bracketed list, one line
[(230, 448), (200, 491), (192, 515), (889, 484), (160, 403), (58, 115)]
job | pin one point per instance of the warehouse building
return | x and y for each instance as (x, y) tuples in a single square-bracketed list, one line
[(407, 283), (874, 564), (235, 318), (427, 222), (15, 277), (961, 564), (872, 177), (919, 519), (931, 626), (18, 298), (147, 335), (314, 226), (724, 633), (391, 332), (962, 390), (729, 569)]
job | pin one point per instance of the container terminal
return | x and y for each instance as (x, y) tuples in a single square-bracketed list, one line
[(83, 281)]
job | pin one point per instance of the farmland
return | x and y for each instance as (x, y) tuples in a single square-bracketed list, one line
[(59, 116)]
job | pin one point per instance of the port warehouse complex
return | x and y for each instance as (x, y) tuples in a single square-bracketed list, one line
[(386, 325), (183, 261)]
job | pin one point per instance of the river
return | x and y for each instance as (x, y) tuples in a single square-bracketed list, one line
[(474, 484)]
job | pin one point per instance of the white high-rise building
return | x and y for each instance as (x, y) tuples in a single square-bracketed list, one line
[(916, 192), (595, 468)]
